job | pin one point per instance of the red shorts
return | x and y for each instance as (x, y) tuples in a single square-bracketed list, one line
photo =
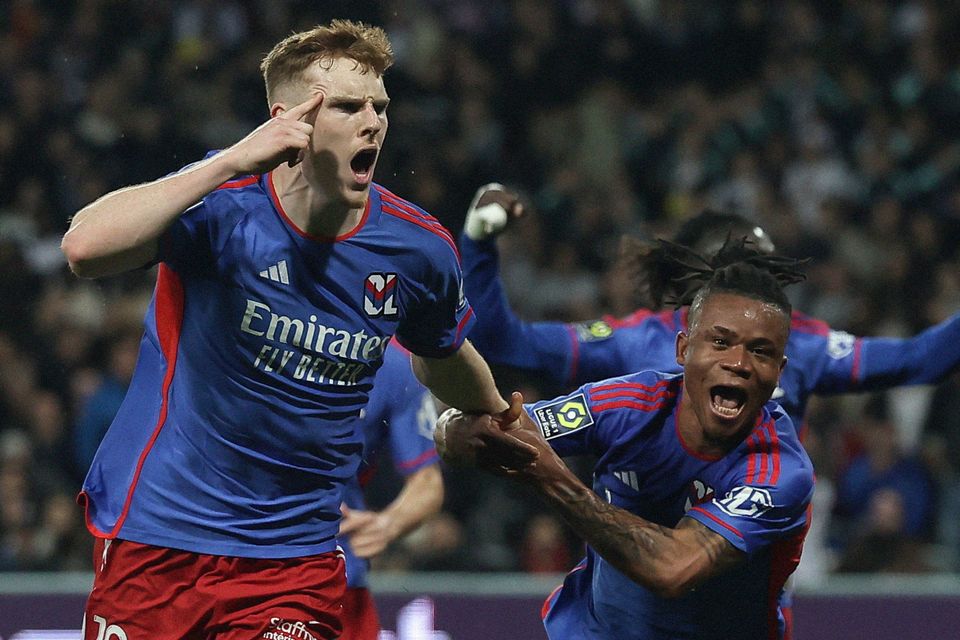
[(141, 591), (360, 621)]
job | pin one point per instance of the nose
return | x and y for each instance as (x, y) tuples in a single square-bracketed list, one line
[(736, 361), (371, 121)]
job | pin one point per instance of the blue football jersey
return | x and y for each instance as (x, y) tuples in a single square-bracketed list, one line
[(401, 414), (238, 431), (756, 496), (821, 360)]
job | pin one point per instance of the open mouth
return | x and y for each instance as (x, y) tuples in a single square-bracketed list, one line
[(727, 402), (362, 163)]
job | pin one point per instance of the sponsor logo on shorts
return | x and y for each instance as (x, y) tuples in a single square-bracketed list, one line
[(284, 630), (563, 416), (593, 331)]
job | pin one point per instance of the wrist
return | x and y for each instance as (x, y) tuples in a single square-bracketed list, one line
[(228, 164), (390, 525), (553, 479)]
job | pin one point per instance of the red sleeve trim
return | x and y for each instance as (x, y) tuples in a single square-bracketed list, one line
[(718, 521)]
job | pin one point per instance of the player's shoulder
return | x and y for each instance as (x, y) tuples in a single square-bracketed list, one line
[(802, 324), (810, 338), (644, 392), (412, 221), (774, 454)]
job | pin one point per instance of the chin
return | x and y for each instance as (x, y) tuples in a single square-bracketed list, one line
[(356, 196)]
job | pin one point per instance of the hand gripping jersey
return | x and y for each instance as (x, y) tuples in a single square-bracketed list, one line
[(401, 412), (756, 496), (819, 359), (238, 431)]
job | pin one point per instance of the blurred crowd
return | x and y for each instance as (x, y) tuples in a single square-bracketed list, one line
[(835, 124)]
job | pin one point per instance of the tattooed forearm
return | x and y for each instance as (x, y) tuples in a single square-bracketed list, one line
[(720, 553), (669, 561)]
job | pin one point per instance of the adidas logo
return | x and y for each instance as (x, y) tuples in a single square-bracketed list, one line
[(628, 478), (277, 273)]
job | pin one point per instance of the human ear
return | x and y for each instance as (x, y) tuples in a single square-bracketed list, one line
[(683, 342)]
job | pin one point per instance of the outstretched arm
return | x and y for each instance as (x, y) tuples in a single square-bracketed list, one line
[(462, 380), (120, 231), (370, 532), (874, 363), (668, 561)]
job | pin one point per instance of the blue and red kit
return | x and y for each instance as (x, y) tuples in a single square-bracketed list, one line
[(401, 415), (756, 496), (238, 432), (820, 360)]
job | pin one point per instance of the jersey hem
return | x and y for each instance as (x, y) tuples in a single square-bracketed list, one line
[(266, 550)]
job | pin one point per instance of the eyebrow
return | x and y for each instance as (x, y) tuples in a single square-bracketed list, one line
[(724, 331), (339, 100)]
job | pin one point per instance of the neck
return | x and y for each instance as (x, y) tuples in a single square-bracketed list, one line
[(313, 210)]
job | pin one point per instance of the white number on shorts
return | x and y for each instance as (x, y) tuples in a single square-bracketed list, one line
[(108, 632)]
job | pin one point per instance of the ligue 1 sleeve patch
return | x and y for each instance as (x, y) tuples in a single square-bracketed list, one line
[(593, 331), (563, 416)]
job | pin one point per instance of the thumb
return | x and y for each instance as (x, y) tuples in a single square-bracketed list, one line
[(512, 413)]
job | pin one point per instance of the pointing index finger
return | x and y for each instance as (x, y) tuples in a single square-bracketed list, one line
[(305, 107)]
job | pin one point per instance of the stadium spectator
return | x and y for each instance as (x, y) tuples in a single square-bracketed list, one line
[(544, 548), (95, 99), (880, 542), (229, 454), (882, 465), (101, 405), (701, 488)]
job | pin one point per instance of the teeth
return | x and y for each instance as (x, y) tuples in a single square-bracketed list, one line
[(724, 411), (719, 405)]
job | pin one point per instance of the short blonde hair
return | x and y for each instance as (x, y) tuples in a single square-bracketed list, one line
[(366, 44)]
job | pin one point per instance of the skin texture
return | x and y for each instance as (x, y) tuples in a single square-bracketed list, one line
[(119, 231), (370, 532), (351, 116), (734, 341)]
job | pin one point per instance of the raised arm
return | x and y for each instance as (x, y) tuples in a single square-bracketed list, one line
[(503, 338), (121, 230)]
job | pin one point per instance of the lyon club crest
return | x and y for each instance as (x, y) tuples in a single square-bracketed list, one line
[(379, 294)]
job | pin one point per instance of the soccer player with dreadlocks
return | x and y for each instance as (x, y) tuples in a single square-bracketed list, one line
[(701, 487), (822, 360)]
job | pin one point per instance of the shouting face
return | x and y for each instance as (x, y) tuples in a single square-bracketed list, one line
[(732, 359), (348, 130)]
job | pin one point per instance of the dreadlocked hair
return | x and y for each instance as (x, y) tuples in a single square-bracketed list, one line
[(692, 272), (736, 268), (670, 274)]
